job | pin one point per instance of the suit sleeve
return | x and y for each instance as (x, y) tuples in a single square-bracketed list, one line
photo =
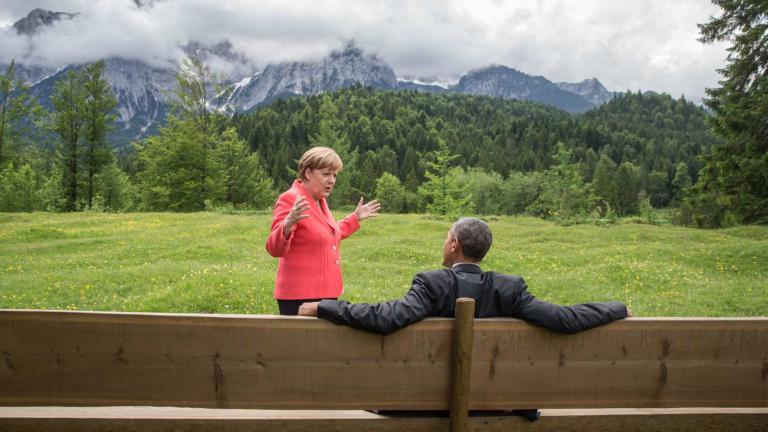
[(383, 318), (277, 244), (566, 319), (348, 225)]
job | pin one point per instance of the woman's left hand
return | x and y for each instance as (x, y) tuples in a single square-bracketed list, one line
[(364, 211)]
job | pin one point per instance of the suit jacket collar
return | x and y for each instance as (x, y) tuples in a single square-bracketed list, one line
[(322, 211), (467, 268)]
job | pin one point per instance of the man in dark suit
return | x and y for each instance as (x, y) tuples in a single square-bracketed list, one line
[(434, 294)]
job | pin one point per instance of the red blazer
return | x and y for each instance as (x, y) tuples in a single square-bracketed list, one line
[(309, 265)]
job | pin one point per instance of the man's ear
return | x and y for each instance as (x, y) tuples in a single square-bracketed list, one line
[(455, 245)]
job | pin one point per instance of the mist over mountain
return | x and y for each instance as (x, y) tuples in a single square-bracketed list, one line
[(38, 19), (340, 69), (143, 90)]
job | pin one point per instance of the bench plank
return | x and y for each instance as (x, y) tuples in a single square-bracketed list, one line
[(242, 361), (149, 419), (640, 362)]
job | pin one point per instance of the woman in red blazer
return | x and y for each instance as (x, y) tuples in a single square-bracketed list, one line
[(305, 237)]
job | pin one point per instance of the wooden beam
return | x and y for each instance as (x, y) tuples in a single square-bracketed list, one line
[(148, 419), (241, 361), (461, 367)]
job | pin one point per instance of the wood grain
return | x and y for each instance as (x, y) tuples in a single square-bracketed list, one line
[(240, 361), (461, 366)]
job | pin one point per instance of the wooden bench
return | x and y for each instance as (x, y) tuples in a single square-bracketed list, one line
[(91, 371)]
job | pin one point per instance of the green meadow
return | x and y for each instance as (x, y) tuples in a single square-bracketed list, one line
[(211, 262)]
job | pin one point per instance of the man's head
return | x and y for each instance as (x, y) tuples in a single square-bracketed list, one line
[(469, 239)]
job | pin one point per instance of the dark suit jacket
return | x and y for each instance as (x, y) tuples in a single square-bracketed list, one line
[(434, 294)]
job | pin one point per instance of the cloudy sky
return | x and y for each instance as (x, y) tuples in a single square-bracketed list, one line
[(627, 44)]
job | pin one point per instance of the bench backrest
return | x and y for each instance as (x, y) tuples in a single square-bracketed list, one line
[(246, 361)]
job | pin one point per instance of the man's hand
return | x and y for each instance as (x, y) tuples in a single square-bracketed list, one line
[(629, 312), (308, 309), (371, 209)]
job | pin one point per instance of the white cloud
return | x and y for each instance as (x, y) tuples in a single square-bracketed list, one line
[(626, 44)]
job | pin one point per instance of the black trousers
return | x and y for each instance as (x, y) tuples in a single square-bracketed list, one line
[(291, 307)]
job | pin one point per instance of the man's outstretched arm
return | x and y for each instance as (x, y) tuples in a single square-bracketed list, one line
[(383, 318), (568, 319)]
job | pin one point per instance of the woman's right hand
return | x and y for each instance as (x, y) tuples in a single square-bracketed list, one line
[(297, 213)]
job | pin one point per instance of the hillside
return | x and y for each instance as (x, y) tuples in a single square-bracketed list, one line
[(396, 131)]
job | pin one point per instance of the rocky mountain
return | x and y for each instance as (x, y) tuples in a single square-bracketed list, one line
[(143, 91), (226, 63), (35, 21), (340, 69), (38, 19), (508, 83), (30, 74), (142, 94), (590, 89)]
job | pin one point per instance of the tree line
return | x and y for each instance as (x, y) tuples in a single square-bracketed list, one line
[(500, 153)]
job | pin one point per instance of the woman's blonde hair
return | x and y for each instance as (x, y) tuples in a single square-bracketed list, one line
[(319, 158)]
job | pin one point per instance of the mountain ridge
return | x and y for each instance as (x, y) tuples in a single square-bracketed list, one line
[(143, 90)]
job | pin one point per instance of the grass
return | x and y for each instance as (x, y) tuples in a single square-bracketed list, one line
[(210, 262)]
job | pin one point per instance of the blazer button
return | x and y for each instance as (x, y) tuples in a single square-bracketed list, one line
[(333, 247), (337, 262)]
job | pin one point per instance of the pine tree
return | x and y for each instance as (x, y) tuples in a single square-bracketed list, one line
[(442, 193), (68, 99), (247, 183), (114, 188), (627, 189), (604, 182), (658, 189), (680, 183), (98, 121), (736, 173), (564, 193), (194, 96), (19, 113)]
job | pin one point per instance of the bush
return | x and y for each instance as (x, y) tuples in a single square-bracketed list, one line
[(19, 189), (520, 191), (390, 193), (486, 190)]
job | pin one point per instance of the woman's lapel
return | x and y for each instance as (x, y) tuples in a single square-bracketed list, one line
[(322, 212)]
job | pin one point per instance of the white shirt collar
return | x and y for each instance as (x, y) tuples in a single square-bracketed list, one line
[(465, 263)]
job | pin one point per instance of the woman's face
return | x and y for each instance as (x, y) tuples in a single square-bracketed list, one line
[(320, 181)]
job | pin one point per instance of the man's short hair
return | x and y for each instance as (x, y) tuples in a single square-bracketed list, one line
[(474, 235), (319, 158)]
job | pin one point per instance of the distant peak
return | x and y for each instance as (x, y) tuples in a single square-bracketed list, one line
[(496, 68), (594, 83), (492, 66), (350, 50), (38, 18)]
